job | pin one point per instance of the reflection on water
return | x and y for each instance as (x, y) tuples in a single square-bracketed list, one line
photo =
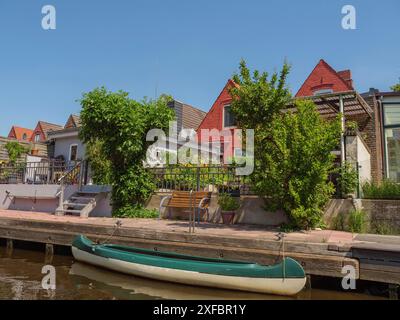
[(20, 278)]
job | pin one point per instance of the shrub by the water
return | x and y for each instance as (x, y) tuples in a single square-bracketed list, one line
[(387, 189), (357, 221), (140, 213)]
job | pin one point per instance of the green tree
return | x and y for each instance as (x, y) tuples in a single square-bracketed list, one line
[(348, 179), (100, 165), (15, 151), (293, 149), (396, 87), (121, 124)]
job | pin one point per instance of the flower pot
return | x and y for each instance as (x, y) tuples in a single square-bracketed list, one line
[(227, 216), (235, 193)]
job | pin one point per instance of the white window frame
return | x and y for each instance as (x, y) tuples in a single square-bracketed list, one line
[(70, 151), (37, 137)]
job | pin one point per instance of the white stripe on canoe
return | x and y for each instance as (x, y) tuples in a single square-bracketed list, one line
[(278, 286)]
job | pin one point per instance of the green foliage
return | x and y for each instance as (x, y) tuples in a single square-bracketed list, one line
[(340, 222), (136, 212), (348, 179), (15, 151), (352, 125), (100, 165), (121, 124), (384, 227), (387, 189), (228, 203), (396, 88), (184, 177), (357, 221), (293, 150), (354, 221)]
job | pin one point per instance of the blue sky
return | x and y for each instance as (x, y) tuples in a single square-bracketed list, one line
[(184, 48)]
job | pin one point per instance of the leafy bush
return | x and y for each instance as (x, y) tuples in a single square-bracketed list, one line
[(357, 221), (227, 202), (100, 166), (348, 179), (132, 212), (384, 227), (293, 149), (396, 87), (352, 125), (122, 124), (340, 222), (354, 221), (15, 151), (387, 189)]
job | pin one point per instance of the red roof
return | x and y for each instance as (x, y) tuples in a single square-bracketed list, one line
[(22, 134), (324, 77)]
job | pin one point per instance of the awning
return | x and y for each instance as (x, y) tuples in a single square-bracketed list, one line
[(328, 104)]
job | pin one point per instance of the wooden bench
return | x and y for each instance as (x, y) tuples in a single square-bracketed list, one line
[(199, 201)]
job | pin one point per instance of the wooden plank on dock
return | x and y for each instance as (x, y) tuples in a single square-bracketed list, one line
[(314, 261)]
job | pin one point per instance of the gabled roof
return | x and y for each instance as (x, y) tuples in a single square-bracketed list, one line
[(191, 116), (74, 121), (325, 77), (208, 121), (47, 127), (19, 133)]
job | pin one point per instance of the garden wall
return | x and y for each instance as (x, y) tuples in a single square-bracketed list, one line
[(251, 212), (15, 197), (379, 213), (386, 211)]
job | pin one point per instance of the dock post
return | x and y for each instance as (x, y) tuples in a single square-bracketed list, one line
[(393, 291), (308, 282), (10, 245), (49, 253)]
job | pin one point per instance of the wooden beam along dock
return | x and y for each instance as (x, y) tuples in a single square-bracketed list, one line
[(323, 253)]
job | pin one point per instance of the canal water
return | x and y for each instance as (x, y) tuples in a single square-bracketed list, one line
[(21, 278)]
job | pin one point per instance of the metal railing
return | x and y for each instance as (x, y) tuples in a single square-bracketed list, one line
[(75, 175), (46, 172), (210, 178)]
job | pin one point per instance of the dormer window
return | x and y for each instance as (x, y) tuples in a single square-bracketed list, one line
[(37, 137), (24, 136)]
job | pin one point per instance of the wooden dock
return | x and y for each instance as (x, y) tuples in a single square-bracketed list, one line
[(322, 253)]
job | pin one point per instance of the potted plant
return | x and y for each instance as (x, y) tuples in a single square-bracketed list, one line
[(234, 191), (228, 205)]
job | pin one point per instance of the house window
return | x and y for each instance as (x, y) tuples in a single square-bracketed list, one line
[(322, 91), (73, 152), (391, 116), (24, 136), (392, 137), (37, 137), (229, 117)]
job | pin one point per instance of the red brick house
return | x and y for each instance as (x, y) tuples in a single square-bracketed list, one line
[(324, 79), (333, 93), (221, 118), (20, 134), (42, 129)]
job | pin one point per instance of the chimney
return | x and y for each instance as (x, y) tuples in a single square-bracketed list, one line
[(346, 76), (373, 92)]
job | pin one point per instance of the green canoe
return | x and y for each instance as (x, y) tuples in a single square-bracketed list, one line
[(286, 278)]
